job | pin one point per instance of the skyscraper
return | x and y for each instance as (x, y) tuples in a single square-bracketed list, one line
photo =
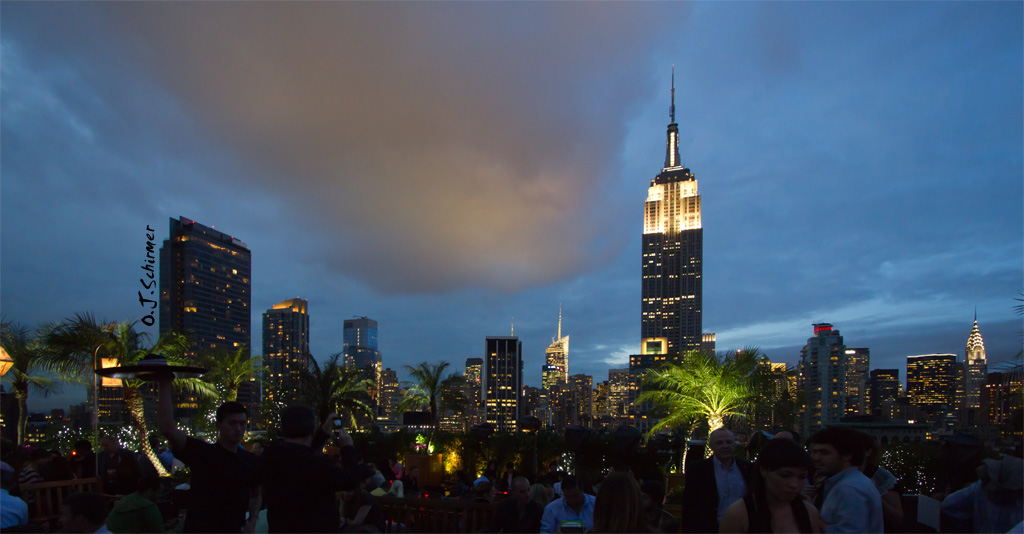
[(975, 368), (389, 397), (205, 287), (503, 381), (556, 359), (857, 363), (671, 289), (934, 385), (822, 378), (884, 388), (360, 348), (582, 398), (285, 348), (474, 385)]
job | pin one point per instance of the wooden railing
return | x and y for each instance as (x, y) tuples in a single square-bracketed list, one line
[(434, 515), (48, 496)]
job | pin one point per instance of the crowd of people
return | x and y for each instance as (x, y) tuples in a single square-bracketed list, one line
[(831, 483)]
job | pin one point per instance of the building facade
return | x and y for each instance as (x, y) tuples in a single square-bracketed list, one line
[(582, 387), (857, 363), (503, 381), (474, 389), (556, 359), (672, 256), (822, 378), (285, 349), (934, 385), (360, 349), (975, 369), (205, 287), (884, 390)]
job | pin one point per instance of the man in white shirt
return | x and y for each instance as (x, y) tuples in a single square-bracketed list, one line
[(574, 507)]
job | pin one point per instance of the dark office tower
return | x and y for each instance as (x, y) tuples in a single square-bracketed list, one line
[(474, 388), (884, 390), (670, 320), (933, 385), (975, 368), (556, 359), (205, 287), (389, 397), (618, 391), (857, 361), (285, 349), (503, 381), (360, 349), (822, 378), (582, 399)]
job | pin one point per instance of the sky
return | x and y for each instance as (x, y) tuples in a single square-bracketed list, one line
[(454, 169)]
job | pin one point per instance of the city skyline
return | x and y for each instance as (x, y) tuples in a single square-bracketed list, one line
[(452, 175)]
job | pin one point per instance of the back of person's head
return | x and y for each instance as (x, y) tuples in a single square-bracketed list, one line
[(230, 408), (539, 493), (397, 489), (83, 446), (90, 506), (792, 434), (846, 441), (778, 453), (571, 482), (871, 444), (147, 483), (509, 465), (655, 490), (617, 507), (297, 421)]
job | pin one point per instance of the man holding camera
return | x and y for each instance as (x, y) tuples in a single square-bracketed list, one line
[(299, 482)]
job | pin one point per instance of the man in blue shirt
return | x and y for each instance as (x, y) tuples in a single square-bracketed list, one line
[(574, 506), (851, 501)]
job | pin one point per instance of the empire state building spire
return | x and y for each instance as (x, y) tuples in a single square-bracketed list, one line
[(672, 158)]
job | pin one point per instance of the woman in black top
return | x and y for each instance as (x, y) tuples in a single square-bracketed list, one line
[(773, 502)]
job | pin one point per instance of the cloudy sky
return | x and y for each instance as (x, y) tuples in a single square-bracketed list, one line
[(449, 168)]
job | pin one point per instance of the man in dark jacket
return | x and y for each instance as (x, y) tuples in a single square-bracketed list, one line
[(299, 482), (518, 513), (713, 484)]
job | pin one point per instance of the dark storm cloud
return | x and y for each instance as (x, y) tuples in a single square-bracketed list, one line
[(433, 146)]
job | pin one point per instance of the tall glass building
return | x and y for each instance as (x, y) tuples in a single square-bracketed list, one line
[(205, 287), (360, 349), (672, 248), (822, 378)]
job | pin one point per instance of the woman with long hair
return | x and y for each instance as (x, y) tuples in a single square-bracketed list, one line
[(617, 507), (773, 502)]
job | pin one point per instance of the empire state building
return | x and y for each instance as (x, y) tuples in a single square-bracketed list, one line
[(673, 240)]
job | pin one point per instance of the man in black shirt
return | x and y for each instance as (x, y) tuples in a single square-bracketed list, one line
[(224, 483), (518, 513), (299, 482)]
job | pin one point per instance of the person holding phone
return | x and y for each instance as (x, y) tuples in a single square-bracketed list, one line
[(573, 512), (299, 482)]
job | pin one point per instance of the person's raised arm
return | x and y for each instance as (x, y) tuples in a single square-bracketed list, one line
[(165, 414)]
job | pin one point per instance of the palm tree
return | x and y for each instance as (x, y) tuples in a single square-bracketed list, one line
[(432, 390), (229, 370), (701, 387), (337, 388), (30, 362), (88, 341)]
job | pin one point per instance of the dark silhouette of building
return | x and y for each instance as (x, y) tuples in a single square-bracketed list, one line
[(884, 390), (672, 247)]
